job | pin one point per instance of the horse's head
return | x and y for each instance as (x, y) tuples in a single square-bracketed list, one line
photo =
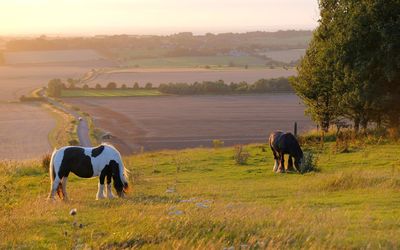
[(120, 175), (299, 162)]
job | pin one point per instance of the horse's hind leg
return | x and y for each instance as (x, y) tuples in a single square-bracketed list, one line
[(281, 168), (64, 187), (109, 189), (100, 191), (54, 187), (275, 160), (290, 164)]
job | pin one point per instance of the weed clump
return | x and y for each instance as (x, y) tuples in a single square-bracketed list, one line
[(217, 143), (45, 162), (241, 156), (310, 162)]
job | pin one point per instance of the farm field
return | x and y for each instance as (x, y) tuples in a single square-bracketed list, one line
[(24, 131), (158, 76), (50, 56), (17, 81), (197, 61), (109, 92), (351, 203), (175, 122), (286, 56), (25, 128)]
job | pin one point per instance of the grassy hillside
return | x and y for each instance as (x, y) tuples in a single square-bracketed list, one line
[(352, 202)]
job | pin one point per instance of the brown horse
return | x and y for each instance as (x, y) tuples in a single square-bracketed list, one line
[(285, 143)]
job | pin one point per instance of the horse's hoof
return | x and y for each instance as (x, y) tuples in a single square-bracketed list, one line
[(99, 198)]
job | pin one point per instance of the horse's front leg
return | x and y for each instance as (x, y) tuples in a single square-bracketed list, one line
[(290, 164), (100, 191), (281, 168), (109, 189)]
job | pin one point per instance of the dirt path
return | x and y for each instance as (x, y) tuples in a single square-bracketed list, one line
[(83, 127)]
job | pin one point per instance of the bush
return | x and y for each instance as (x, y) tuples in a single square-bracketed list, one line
[(309, 162), (241, 156), (98, 86), (217, 143), (73, 142), (46, 162)]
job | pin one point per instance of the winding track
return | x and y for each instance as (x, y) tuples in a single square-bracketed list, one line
[(83, 127)]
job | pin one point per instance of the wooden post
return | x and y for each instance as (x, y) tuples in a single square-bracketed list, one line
[(295, 129)]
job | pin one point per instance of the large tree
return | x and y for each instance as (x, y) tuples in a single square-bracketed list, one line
[(316, 76), (354, 56)]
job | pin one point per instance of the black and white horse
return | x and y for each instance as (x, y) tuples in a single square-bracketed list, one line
[(285, 143), (104, 161)]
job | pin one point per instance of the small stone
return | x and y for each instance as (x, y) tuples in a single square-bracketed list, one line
[(73, 212), (201, 205), (80, 225)]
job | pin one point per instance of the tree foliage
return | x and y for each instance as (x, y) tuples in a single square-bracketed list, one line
[(352, 66)]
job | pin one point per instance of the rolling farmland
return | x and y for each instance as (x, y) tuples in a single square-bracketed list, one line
[(25, 130), (173, 122), (158, 76), (50, 56)]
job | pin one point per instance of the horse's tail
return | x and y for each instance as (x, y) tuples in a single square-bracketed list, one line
[(51, 167), (52, 175)]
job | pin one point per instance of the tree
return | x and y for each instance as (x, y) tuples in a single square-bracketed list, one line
[(85, 86), (148, 85), (136, 85), (98, 86), (352, 65), (54, 88), (111, 85), (123, 86), (315, 81)]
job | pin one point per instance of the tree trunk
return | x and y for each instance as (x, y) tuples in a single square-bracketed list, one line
[(356, 125)]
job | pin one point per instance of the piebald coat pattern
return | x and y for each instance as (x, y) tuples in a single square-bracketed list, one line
[(86, 162)]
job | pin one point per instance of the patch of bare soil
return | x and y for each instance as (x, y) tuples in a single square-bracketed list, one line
[(24, 131), (175, 122)]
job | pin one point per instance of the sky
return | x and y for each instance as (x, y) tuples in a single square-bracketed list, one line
[(158, 17)]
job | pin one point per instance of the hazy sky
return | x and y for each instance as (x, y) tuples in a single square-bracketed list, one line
[(80, 17)]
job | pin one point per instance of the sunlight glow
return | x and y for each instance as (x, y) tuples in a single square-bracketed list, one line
[(89, 17)]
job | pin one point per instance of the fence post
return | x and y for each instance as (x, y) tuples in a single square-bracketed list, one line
[(295, 129)]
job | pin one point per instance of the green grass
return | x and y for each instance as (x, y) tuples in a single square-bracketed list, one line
[(352, 202), (110, 92), (197, 61), (65, 130)]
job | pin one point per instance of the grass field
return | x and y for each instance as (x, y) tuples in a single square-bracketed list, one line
[(352, 202), (65, 130), (110, 92)]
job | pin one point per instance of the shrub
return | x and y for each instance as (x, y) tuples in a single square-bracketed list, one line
[(73, 142), (217, 143), (46, 162), (309, 162), (98, 86), (241, 155)]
